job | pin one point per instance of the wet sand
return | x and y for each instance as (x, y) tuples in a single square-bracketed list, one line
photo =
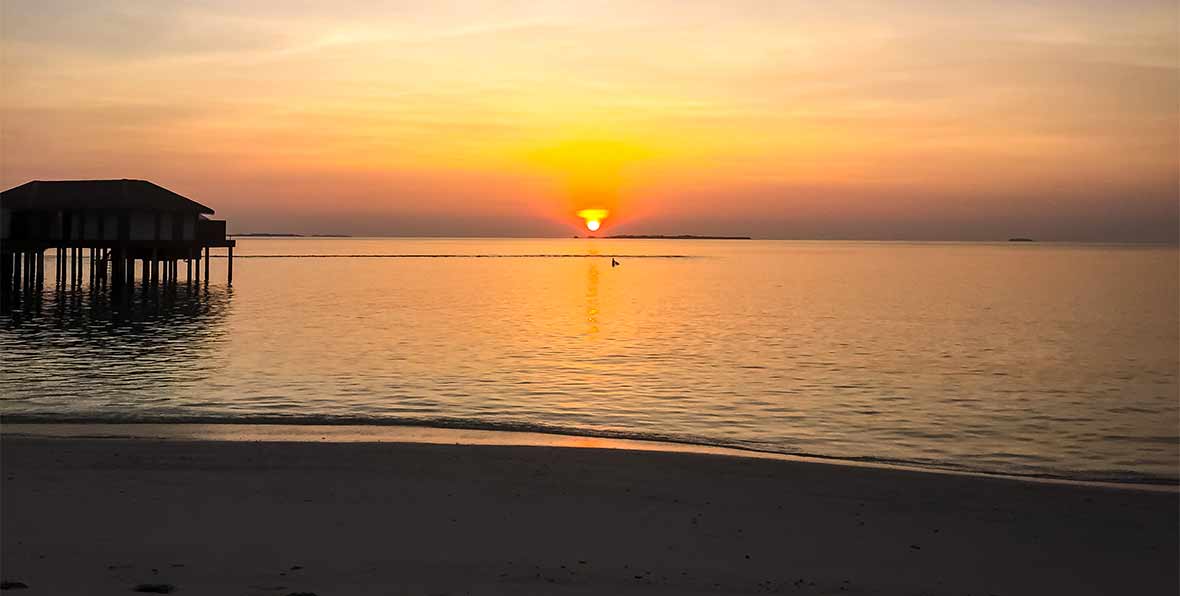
[(102, 516)]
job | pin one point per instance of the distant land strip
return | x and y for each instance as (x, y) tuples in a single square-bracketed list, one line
[(616, 237), (677, 237), (461, 256), (287, 235)]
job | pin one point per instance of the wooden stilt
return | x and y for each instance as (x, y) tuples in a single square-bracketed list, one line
[(116, 281), (229, 275), (206, 264), (120, 268), (17, 262), (4, 279)]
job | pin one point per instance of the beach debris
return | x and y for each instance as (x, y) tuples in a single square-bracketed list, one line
[(915, 547), (155, 588), (13, 586)]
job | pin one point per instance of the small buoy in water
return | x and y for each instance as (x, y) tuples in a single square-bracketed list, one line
[(613, 262)]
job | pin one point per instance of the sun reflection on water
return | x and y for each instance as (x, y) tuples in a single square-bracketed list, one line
[(592, 299)]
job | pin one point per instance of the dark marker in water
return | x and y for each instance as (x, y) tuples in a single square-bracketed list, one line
[(613, 262)]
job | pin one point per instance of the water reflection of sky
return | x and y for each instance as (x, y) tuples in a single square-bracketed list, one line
[(65, 348), (996, 357)]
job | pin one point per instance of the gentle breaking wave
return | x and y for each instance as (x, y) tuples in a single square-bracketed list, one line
[(1129, 478)]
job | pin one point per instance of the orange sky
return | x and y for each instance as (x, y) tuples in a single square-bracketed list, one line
[(839, 119)]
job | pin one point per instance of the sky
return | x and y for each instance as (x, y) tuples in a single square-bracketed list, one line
[(860, 119)]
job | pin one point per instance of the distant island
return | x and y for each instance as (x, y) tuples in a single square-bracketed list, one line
[(272, 235), (679, 237), (1021, 240)]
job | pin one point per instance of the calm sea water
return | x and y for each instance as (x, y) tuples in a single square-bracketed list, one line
[(1056, 360)]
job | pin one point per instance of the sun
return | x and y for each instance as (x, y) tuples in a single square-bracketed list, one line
[(593, 218)]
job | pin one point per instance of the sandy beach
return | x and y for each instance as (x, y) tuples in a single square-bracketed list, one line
[(103, 516)]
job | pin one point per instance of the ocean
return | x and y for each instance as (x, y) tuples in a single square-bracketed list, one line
[(1037, 359)]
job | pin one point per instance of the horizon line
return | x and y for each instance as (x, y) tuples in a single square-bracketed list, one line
[(1012, 240)]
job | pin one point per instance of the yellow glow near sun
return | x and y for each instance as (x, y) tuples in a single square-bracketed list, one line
[(593, 218)]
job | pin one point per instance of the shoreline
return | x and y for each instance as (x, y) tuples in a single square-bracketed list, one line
[(211, 517), (348, 432)]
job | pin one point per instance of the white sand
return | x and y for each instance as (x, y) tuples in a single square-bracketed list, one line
[(99, 516)]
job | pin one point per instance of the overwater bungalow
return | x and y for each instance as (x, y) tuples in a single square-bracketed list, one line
[(100, 229)]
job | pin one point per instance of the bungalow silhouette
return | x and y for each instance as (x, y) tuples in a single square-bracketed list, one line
[(118, 221)]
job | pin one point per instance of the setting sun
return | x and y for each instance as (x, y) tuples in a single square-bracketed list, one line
[(593, 218)]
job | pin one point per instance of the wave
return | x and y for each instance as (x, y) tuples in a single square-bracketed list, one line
[(1126, 478)]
